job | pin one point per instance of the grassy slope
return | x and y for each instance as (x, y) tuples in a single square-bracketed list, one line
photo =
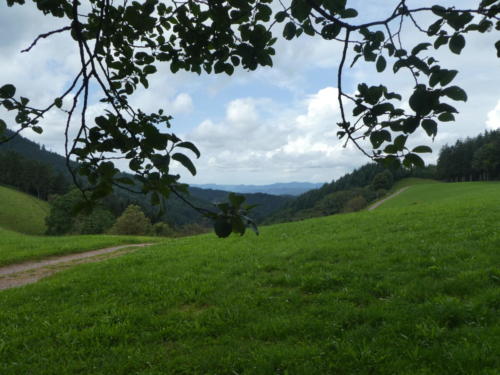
[(16, 247), (429, 193), (406, 291), (21, 212), (412, 181)]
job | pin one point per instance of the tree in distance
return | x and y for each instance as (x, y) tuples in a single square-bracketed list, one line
[(383, 180), (162, 229), (132, 222), (121, 44), (63, 220)]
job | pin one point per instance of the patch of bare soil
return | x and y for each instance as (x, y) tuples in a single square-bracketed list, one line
[(30, 272)]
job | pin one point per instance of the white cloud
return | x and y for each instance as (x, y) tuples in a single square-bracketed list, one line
[(493, 121), (182, 104), (258, 142)]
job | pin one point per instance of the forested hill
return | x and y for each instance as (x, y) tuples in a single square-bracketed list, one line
[(33, 157), (350, 192), (34, 151), (472, 159)]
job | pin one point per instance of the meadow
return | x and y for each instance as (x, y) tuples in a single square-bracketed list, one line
[(16, 247), (21, 212), (408, 290), (22, 223)]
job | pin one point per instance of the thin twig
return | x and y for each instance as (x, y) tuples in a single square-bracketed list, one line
[(46, 35)]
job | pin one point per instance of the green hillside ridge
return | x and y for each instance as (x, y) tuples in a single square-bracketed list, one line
[(21, 212), (405, 290), (429, 193)]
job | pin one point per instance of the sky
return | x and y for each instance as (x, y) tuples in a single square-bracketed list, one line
[(271, 125)]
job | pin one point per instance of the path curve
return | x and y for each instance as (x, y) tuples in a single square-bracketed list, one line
[(19, 274), (375, 205)]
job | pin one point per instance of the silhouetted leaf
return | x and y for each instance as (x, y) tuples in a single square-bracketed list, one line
[(381, 64), (189, 146), (430, 127), (185, 161), (7, 91), (457, 43), (455, 93), (422, 149)]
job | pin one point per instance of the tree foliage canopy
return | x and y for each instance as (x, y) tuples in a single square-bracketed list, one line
[(121, 44)]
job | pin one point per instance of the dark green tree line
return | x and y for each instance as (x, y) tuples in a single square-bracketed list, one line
[(472, 159), (31, 176)]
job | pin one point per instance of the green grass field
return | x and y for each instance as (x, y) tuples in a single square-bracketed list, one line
[(21, 212), (16, 247), (409, 290), (430, 193)]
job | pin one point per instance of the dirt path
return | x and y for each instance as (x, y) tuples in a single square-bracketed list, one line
[(30, 272), (375, 205)]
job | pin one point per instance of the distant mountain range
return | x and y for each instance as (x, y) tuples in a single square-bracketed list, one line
[(286, 188)]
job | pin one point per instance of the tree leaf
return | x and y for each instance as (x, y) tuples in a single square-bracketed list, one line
[(455, 93), (289, 31), (420, 101), (185, 161), (349, 13), (419, 48), (300, 9), (381, 64), (378, 137), (37, 129), (446, 117), (189, 146), (430, 127), (422, 149), (236, 200), (280, 16), (149, 69), (400, 141), (7, 91), (447, 76), (330, 31), (413, 159), (457, 43)]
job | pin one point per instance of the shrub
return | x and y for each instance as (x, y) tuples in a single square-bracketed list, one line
[(355, 204), (383, 180), (132, 222), (382, 193), (97, 222), (162, 229)]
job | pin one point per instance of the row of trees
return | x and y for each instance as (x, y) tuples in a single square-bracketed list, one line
[(31, 176), (105, 218), (472, 159)]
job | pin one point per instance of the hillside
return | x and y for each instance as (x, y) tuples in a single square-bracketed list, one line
[(408, 290), (427, 194), (21, 212), (177, 212), (17, 247), (333, 197)]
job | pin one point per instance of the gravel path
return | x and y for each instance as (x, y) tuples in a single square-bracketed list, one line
[(375, 205), (29, 272)]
